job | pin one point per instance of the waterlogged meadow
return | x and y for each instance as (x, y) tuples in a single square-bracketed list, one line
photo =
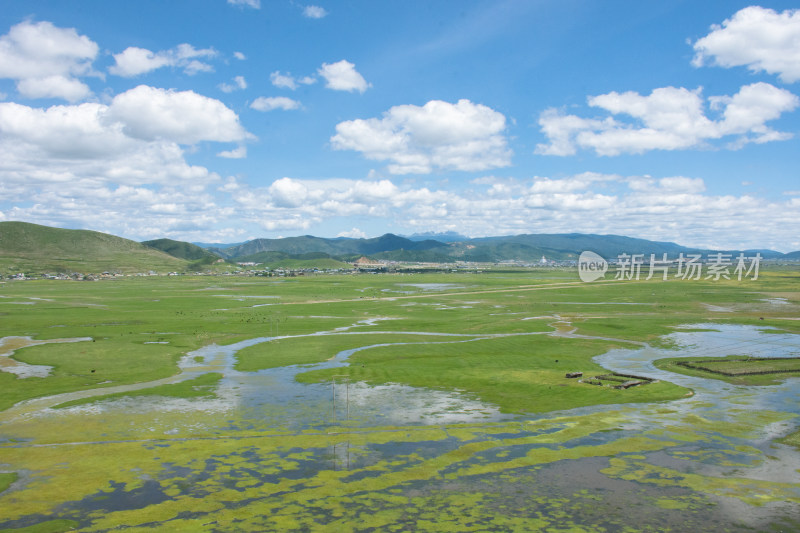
[(395, 403)]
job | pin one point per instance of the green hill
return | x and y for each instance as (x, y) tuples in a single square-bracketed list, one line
[(200, 258), (34, 249), (273, 260)]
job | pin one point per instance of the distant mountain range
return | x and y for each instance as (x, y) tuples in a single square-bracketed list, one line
[(446, 236), (526, 248), (33, 248)]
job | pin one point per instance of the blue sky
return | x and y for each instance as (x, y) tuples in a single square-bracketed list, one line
[(222, 121)]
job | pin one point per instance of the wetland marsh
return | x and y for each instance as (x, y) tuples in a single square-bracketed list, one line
[(395, 403)]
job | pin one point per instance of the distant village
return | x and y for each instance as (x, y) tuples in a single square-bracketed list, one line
[(363, 265)]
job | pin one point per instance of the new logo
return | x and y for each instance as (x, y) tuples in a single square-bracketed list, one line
[(591, 266)]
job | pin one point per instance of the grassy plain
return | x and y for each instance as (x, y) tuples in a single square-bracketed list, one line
[(129, 318), (204, 471), (202, 386)]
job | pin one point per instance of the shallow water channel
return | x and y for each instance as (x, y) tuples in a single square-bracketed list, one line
[(378, 456)]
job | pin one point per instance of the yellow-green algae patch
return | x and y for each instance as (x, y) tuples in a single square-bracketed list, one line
[(209, 475), (666, 503), (737, 423), (751, 491), (51, 526), (740, 456), (296, 480)]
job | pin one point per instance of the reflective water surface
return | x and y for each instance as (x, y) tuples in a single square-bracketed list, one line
[(705, 462)]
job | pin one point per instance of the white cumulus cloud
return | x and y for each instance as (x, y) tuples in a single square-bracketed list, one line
[(237, 153), (115, 167), (46, 61), (674, 208), (342, 76), (287, 81), (758, 38), (414, 139), (134, 61), (185, 117), (670, 118), (84, 142), (238, 83), (264, 103)]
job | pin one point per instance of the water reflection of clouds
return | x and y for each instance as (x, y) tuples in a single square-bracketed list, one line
[(401, 404), (716, 399)]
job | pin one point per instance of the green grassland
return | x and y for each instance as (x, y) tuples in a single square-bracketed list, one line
[(196, 470), (202, 386), (519, 374), (123, 317)]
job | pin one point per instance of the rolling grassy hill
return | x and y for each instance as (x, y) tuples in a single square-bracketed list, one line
[(31, 248), (180, 249), (199, 258)]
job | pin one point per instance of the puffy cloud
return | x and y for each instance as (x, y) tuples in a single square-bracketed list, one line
[(237, 153), (70, 89), (747, 110), (287, 192), (134, 61), (669, 118), (314, 12), (287, 81), (133, 141), (291, 223), (264, 103), (185, 117), (240, 56), (677, 184), (461, 136), (675, 208), (342, 76), (133, 211), (79, 166), (284, 81), (238, 83), (65, 144), (46, 60), (580, 182), (74, 132), (759, 38)]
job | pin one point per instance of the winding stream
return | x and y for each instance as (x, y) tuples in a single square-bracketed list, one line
[(254, 393), (715, 446)]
